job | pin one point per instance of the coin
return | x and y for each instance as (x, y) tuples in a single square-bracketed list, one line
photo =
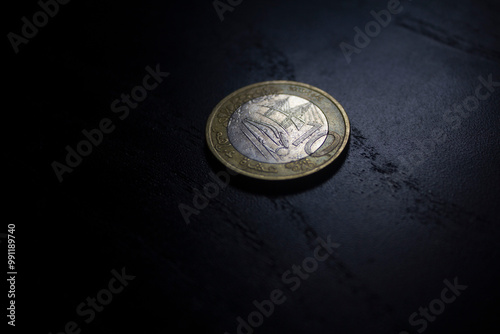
[(277, 130)]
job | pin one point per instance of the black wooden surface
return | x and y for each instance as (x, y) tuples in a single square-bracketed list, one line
[(402, 228)]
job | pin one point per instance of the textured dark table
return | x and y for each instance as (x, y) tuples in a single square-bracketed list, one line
[(413, 202)]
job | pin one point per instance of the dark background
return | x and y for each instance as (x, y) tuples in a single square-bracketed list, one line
[(402, 231)]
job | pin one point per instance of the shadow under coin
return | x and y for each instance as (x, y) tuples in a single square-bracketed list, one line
[(282, 187)]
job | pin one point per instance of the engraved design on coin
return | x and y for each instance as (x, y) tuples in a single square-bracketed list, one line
[(223, 144), (301, 165), (279, 128)]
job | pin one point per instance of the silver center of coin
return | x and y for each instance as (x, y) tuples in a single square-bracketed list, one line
[(277, 128)]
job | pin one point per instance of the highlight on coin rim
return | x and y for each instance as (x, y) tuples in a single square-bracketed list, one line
[(286, 177)]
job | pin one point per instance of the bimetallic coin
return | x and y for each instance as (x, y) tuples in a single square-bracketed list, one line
[(277, 130)]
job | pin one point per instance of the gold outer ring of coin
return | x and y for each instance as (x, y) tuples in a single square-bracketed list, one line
[(335, 139)]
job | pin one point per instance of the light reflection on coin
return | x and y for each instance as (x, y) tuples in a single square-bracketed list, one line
[(277, 130)]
